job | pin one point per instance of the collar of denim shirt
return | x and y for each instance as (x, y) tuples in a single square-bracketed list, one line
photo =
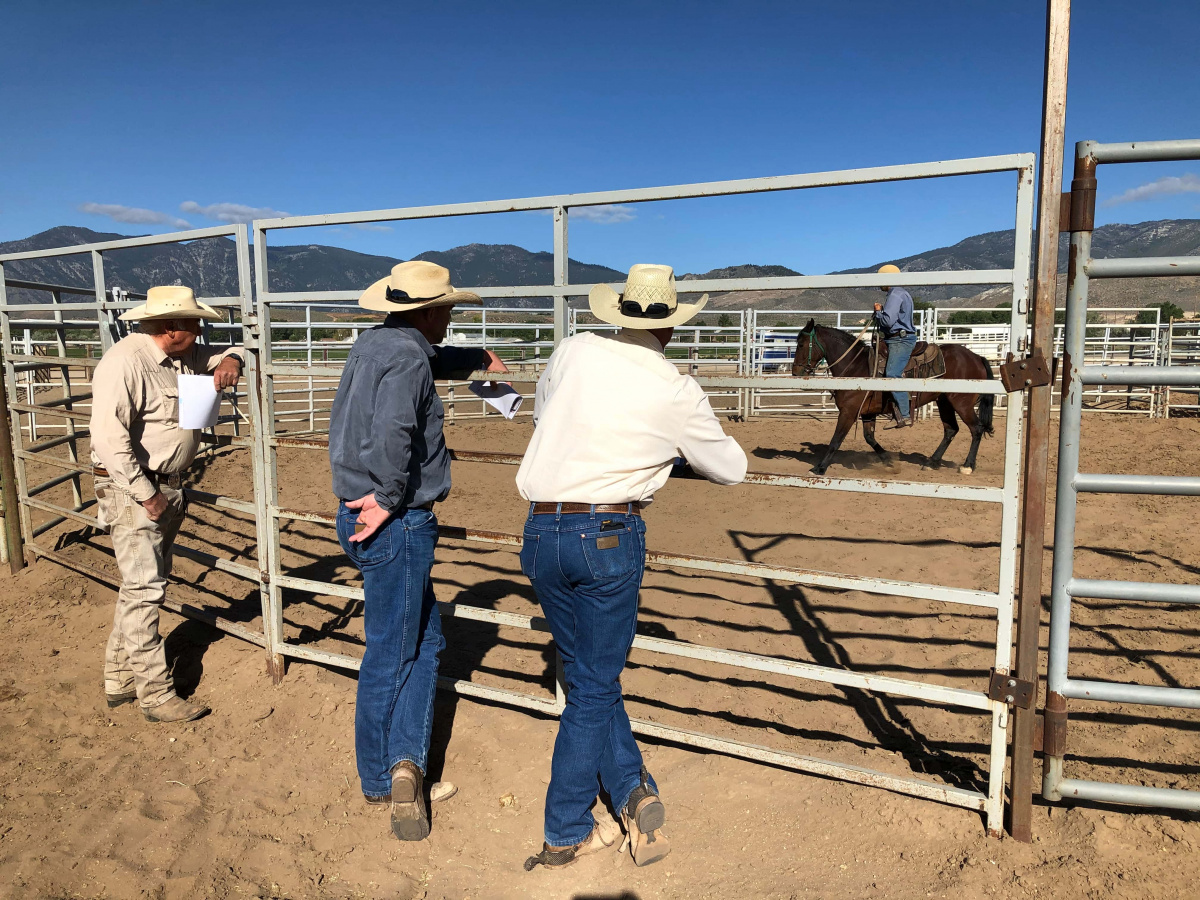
[(394, 320)]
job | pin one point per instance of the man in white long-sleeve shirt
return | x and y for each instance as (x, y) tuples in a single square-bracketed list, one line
[(612, 415)]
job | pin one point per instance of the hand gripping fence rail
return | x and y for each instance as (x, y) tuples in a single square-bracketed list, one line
[(265, 442), (1071, 482)]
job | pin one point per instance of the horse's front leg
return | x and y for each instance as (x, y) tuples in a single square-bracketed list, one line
[(868, 423), (846, 416)]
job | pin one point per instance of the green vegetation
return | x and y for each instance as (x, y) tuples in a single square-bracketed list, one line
[(1167, 312), (998, 316)]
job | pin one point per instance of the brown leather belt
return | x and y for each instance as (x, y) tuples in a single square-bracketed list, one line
[(629, 509), (159, 478)]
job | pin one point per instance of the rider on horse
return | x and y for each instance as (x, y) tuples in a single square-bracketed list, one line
[(895, 319)]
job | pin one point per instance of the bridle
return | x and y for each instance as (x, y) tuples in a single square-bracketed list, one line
[(811, 368)]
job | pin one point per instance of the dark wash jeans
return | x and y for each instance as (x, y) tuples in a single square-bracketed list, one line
[(899, 351), (589, 596), (393, 718)]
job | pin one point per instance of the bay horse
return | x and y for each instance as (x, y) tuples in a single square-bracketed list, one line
[(848, 357)]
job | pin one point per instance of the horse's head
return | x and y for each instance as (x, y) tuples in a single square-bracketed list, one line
[(809, 350)]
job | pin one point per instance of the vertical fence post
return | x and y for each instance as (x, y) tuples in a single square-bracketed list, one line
[(20, 513), (266, 488), (1037, 441), (8, 482), (561, 273)]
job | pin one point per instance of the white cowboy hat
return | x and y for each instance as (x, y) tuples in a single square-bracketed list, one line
[(648, 301), (415, 284), (170, 302)]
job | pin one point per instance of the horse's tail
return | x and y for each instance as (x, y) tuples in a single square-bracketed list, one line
[(987, 402)]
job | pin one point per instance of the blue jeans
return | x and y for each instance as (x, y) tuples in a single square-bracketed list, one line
[(394, 714), (899, 350), (589, 594)]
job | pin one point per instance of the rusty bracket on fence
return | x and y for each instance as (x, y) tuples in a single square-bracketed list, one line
[(1010, 689), (1019, 374)]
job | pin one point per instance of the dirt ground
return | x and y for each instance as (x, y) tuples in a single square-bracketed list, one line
[(260, 798)]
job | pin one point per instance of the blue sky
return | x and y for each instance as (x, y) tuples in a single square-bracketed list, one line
[(117, 113)]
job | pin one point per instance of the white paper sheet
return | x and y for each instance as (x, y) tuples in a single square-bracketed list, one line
[(499, 395), (198, 401)]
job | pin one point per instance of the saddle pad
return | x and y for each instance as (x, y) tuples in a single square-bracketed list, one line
[(926, 361)]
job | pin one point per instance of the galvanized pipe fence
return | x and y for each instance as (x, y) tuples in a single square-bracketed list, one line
[(286, 380), (741, 341), (1078, 374), (275, 373)]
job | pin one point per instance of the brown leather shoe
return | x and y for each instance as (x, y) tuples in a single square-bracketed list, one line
[(410, 818), (175, 710)]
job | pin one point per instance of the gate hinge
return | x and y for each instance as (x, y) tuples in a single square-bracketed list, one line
[(1010, 689), (1019, 374)]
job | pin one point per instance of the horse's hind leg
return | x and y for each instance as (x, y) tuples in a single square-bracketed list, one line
[(868, 424), (949, 429), (964, 405), (846, 417)]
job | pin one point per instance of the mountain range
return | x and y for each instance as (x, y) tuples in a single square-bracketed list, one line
[(210, 267)]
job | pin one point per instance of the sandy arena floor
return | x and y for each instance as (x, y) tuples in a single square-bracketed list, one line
[(260, 799)]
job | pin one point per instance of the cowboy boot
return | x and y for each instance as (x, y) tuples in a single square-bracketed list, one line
[(602, 837), (175, 710), (410, 818), (643, 816)]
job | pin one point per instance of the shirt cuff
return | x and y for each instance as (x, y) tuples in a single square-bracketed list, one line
[(142, 488)]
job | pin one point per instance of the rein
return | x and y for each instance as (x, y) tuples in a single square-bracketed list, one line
[(813, 339)]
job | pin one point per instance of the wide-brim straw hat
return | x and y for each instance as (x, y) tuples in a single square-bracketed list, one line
[(415, 284), (172, 301), (648, 302)]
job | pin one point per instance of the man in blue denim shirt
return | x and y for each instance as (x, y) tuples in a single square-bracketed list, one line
[(895, 318), (390, 465)]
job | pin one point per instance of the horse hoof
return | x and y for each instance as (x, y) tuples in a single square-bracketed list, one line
[(965, 470)]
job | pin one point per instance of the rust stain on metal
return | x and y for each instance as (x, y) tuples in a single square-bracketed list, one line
[(302, 443), (1054, 725)]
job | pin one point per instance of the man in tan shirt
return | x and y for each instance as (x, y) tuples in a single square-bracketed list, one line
[(139, 453)]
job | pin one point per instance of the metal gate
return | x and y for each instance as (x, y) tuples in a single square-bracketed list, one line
[(1071, 482), (74, 359), (276, 373)]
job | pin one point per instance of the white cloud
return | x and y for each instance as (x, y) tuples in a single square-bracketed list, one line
[(231, 213), (371, 226), (133, 215), (608, 214), (1163, 187)]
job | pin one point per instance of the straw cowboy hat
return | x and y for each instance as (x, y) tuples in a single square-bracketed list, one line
[(415, 284), (648, 301), (170, 302)]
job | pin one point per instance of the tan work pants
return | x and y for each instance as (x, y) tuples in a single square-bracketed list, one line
[(136, 657)]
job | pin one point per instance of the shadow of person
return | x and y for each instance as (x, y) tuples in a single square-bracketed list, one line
[(185, 647), (623, 895)]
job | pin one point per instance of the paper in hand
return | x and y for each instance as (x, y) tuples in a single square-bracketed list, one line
[(198, 401), (499, 395)]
